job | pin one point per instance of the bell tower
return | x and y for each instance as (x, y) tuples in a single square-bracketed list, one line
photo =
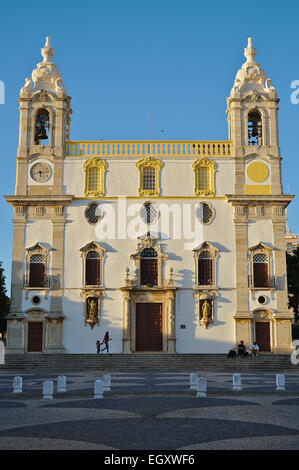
[(44, 122), (39, 202), (252, 119)]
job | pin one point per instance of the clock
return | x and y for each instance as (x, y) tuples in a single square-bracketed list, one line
[(40, 172)]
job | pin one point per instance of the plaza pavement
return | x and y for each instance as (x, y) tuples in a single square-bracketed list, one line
[(150, 411)]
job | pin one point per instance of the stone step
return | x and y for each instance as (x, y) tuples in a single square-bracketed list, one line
[(138, 362)]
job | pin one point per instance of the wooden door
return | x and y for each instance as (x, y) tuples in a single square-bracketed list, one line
[(262, 336), (35, 336), (149, 327)]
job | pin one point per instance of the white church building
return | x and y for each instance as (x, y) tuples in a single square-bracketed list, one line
[(171, 246)]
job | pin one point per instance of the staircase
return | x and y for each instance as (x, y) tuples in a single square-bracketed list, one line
[(148, 362)]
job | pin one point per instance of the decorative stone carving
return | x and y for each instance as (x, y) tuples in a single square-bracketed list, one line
[(251, 72)]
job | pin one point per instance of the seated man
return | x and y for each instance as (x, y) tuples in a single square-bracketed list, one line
[(242, 349), (254, 349)]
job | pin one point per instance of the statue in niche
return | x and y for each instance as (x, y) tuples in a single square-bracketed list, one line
[(206, 313), (92, 311)]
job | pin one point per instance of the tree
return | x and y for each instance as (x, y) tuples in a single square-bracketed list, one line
[(293, 281), (4, 302)]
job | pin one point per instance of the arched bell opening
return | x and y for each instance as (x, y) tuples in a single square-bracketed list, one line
[(42, 127)]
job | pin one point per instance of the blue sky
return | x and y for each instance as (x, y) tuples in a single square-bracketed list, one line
[(176, 59)]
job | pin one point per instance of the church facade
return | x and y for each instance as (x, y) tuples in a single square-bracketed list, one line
[(171, 246)]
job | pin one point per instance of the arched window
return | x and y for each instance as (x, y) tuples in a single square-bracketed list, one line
[(260, 270), (37, 271), (205, 257), (255, 131), (149, 267), (94, 177), (204, 170), (93, 269), (41, 126), (149, 176), (205, 269)]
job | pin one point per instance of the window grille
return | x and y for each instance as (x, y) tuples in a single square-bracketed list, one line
[(204, 213), (149, 178), (149, 212), (93, 179), (93, 269), (205, 269), (93, 213), (203, 175)]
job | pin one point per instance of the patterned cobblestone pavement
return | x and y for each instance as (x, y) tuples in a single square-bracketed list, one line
[(150, 412)]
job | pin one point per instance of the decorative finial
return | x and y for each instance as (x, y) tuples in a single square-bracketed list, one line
[(250, 52), (47, 51)]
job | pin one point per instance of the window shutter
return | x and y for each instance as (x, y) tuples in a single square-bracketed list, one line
[(37, 275)]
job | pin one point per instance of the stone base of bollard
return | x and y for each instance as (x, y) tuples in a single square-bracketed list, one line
[(17, 385), (98, 389), (61, 384), (48, 390)]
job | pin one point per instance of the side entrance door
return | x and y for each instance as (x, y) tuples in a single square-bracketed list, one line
[(149, 327), (262, 336), (35, 336)]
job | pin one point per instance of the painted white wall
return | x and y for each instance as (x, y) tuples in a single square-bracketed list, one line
[(176, 177)]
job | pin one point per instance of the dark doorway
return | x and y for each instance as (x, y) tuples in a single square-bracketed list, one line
[(262, 336), (149, 327), (35, 336)]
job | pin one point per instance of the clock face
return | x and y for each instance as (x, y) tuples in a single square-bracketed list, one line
[(40, 172)]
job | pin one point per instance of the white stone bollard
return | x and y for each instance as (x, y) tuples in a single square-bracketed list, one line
[(280, 382), (237, 382), (98, 389), (193, 381), (48, 390), (201, 387), (17, 385), (61, 383), (107, 382)]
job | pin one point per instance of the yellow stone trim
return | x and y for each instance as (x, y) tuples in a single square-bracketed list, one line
[(101, 166), (149, 162), (151, 148), (211, 166), (254, 189), (160, 197), (257, 172)]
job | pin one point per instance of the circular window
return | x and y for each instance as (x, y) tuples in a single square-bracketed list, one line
[(205, 213), (93, 213), (35, 300), (149, 212), (262, 299)]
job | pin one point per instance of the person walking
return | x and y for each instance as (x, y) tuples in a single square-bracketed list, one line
[(98, 344), (106, 342)]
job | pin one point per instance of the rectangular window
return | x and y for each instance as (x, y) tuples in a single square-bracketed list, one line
[(149, 178), (149, 272), (205, 272), (260, 274), (203, 175), (93, 272), (37, 275), (93, 179)]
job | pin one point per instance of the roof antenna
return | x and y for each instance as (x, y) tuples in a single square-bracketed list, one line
[(149, 126)]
